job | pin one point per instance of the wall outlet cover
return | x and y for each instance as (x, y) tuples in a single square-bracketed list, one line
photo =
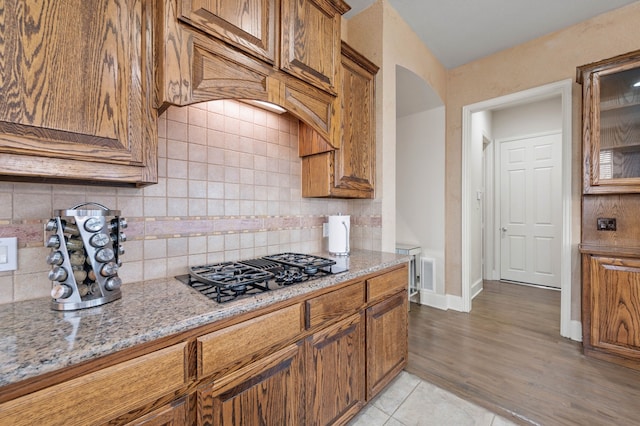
[(606, 224), (8, 254)]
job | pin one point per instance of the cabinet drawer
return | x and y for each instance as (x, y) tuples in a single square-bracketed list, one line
[(330, 306), (98, 397), (226, 348), (386, 284)]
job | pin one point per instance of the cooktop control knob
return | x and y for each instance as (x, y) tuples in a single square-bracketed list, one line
[(61, 291)]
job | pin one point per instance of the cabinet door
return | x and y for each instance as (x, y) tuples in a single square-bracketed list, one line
[(335, 372), (247, 24), (347, 172), (311, 40), (194, 67), (354, 168), (615, 305), (75, 80), (174, 414), (387, 347), (267, 392), (611, 125)]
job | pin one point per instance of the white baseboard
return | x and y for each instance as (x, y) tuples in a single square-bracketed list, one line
[(441, 301), (576, 331), (433, 299), (476, 288)]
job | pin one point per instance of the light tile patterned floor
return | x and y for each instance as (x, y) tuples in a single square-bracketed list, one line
[(410, 401)]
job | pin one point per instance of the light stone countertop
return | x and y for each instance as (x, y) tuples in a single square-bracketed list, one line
[(34, 339)]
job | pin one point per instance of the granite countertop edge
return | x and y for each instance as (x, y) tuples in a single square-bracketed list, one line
[(35, 340)]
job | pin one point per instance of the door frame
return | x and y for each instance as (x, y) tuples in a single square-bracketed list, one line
[(564, 89), (497, 213)]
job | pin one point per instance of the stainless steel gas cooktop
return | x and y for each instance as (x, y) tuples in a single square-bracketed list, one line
[(223, 282)]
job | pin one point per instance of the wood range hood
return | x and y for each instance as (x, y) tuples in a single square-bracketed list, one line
[(200, 57)]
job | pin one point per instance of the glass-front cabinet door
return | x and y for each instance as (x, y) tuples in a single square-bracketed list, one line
[(611, 124)]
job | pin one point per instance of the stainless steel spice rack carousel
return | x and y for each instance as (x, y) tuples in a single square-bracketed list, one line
[(85, 256)]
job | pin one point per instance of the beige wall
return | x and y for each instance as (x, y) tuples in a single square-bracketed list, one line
[(548, 59), (380, 34), (383, 36)]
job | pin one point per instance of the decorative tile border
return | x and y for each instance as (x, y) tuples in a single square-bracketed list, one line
[(31, 233)]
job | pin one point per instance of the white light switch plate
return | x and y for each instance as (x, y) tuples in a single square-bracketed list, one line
[(325, 229), (8, 254)]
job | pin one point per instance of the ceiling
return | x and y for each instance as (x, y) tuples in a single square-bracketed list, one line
[(461, 31)]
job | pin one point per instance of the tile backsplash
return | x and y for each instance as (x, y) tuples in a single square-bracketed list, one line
[(228, 188)]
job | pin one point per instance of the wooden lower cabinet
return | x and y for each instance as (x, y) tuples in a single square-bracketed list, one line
[(387, 341), (611, 308), (120, 388), (267, 392), (314, 361), (335, 372)]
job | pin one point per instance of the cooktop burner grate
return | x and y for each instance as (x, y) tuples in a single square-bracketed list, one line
[(261, 263), (227, 281), (301, 260), (229, 274)]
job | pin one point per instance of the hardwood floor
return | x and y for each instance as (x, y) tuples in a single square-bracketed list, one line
[(507, 355)]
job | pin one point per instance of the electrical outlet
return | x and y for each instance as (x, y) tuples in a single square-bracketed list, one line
[(8, 254), (606, 224), (325, 229)]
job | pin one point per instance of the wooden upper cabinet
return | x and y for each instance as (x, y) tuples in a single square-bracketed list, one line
[(611, 124), (250, 25), (311, 40), (208, 50), (75, 81), (347, 172)]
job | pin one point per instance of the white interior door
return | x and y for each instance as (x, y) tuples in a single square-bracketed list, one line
[(531, 210)]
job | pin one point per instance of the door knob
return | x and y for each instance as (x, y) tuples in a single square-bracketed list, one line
[(503, 229)]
